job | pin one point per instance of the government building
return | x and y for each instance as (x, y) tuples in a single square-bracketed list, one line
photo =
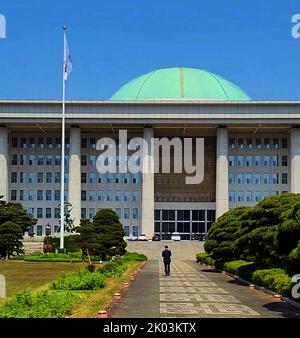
[(251, 150)]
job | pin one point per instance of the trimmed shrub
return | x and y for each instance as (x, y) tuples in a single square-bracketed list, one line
[(205, 258), (53, 257), (274, 279), (113, 269), (234, 266), (46, 304), (134, 256), (80, 280)]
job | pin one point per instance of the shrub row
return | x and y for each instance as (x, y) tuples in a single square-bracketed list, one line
[(54, 257), (205, 258), (46, 304), (80, 280)]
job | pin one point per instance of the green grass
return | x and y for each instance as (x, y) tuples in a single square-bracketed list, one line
[(33, 275)]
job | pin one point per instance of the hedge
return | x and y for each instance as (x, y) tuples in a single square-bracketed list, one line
[(79, 280), (274, 279), (46, 304), (205, 258)]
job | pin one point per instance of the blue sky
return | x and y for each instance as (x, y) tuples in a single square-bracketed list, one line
[(111, 42)]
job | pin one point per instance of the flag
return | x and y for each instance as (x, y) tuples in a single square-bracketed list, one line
[(68, 67)]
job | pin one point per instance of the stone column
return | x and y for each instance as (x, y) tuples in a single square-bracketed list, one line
[(295, 160), (222, 203), (75, 174), (148, 186), (3, 164)]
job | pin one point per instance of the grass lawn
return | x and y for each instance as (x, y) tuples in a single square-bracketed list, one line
[(21, 275), (98, 299)]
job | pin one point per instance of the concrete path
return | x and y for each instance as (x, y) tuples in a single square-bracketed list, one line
[(195, 291)]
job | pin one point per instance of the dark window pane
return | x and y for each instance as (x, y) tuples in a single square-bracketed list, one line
[(180, 227), (165, 226), (172, 215), (157, 215), (171, 227), (157, 226), (180, 215), (165, 215), (186, 215), (186, 227)]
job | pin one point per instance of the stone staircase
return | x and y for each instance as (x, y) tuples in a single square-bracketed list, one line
[(181, 250)]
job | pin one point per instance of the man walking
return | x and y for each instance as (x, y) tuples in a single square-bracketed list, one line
[(166, 254)]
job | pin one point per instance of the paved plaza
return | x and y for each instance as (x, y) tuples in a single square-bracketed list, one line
[(193, 290)]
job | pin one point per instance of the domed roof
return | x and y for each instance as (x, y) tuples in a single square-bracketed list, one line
[(180, 84)]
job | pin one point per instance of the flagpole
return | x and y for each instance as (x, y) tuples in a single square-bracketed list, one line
[(62, 176)]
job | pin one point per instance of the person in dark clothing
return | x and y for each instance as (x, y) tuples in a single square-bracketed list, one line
[(166, 254)]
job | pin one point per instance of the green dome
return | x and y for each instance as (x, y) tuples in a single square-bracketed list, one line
[(180, 84)]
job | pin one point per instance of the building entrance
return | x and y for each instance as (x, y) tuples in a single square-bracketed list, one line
[(190, 224)]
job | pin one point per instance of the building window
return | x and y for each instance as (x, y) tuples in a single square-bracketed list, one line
[(22, 177), (21, 195), (284, 178), (48, 195), (40, 159), (258, 143), (266, 161), (266, 178), (83, 177), (56, 177), (135, 179), (14, 160), (249, 143), (126, 213), (101, 178), (275, 143), (118, 178), (40, 177), (119, 212), (231, 143), (92, 160), (240, 196), (57, 195), (84, 143), (284, 143), (109, 178), (30, 195), (92, 195), (92, 143), (48, 213), (39, 230), (249, 161), (23, 142), (240, 161), (231, 179), (14, 142), (249, 196), (109, 196), (231, 161), (240, 143), (83, 212), (40, 142), (266, 194), (126, 230), (135, 213), (284, 161), (135, 230), (83, 160), (92, 212), (56, 213), (30, 211), (13, 195), (126, 195), (14, 177), (31, 177), (275, 161), (57, 160), (48, 177), (257, 178), (31, 160), (257, 196), (83, 195), (100, 195), (267, 143), (126, 178), (49, 143), (49, 160), (31, 142), (92, 177), (23, 160), (118, 196), (275, 178), (240, 178), (57, 142), (40, 195), (135, 196), (39, 213), (249, 178)]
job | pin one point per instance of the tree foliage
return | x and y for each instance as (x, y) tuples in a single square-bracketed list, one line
[(103, 236), (267, 233)]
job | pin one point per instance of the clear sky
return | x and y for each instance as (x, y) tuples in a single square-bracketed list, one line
[(248, 42)]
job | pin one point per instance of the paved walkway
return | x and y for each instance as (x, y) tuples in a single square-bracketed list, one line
[(195, 291)]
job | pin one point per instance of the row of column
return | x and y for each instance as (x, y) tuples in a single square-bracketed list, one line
[(222, 202)]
